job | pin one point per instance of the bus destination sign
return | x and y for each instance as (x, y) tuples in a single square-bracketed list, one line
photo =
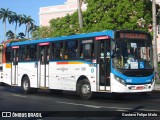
[(133, 35)]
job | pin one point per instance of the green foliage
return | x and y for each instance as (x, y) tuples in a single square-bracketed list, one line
[(106, 14), (10, 34), (67, 25), (42, 32), (122, 14)]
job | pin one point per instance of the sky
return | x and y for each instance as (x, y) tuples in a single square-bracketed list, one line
[(27, 7)]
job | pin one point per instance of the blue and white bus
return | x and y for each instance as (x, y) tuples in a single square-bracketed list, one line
[(109, 61)]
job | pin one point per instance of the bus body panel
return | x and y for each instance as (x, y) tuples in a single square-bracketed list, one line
[(43, 75), (64, 74), (118, 87), (7, 73), (29, 69)]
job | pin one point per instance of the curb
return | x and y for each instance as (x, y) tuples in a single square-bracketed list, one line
[(156, 88), (156, 91)]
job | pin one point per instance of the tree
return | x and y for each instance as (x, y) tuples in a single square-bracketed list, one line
[(21, 35), (10, 34), (42, 32), (4, 15), (80, 17), (106, 14), (15, 19), (67, 25), (114, 14), (28, 22), (21, 20)]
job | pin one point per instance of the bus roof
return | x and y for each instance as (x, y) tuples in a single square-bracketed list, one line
[(109, 33)]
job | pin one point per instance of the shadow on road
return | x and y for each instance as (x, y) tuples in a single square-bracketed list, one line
[(103, 97)]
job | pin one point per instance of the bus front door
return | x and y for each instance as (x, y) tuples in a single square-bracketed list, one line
[(44, 66), (104, 64), (14, 69)]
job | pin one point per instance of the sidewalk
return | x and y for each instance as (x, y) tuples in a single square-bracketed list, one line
[(157, 88)]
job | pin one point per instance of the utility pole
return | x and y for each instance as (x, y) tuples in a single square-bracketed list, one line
[(154, 39)]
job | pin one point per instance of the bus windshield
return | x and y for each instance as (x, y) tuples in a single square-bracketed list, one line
[(133, 54)]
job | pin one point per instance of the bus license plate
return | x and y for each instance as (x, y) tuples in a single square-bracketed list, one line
[(139, 88)]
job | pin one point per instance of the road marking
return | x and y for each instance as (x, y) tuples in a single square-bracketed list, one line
[(93, 106), (117, 108), (19, 95)]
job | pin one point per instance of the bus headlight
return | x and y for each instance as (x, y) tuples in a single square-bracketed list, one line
[(120, 80)]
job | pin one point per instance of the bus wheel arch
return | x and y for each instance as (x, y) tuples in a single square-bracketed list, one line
[(25, 84), (83, 88)]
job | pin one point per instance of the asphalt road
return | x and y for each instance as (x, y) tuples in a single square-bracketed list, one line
[(45, 105)]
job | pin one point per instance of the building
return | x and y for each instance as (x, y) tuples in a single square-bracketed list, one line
[(50, 12)]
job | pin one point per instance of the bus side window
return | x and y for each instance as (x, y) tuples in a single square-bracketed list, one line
[(71, 50), (8, 54), (52, 51), (92, 51), (30, 53), (21, 53), (87, 51), (59, 50), (33, 52)]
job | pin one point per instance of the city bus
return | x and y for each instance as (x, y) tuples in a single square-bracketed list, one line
[(111, 61)]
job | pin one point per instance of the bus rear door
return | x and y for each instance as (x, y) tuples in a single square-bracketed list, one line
[(103, 59), (14, 70), (43, 69)]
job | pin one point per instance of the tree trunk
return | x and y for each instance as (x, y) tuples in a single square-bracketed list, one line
[(80, 17), (5, 31), (154, 39)]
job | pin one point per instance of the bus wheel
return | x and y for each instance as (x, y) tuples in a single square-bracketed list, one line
[(84, 89), (26, 85)]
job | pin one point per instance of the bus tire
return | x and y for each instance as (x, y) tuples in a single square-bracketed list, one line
[(84, 89), (26, 85)]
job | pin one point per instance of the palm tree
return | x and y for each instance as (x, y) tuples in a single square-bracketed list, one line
[(28, 22), (4, 15), (80, 17), (15, 19), (21, 35), (21, 20), (33, 28), (10, 34)]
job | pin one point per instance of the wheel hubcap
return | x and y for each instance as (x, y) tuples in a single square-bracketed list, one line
[(85, 89), (25, 85)]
